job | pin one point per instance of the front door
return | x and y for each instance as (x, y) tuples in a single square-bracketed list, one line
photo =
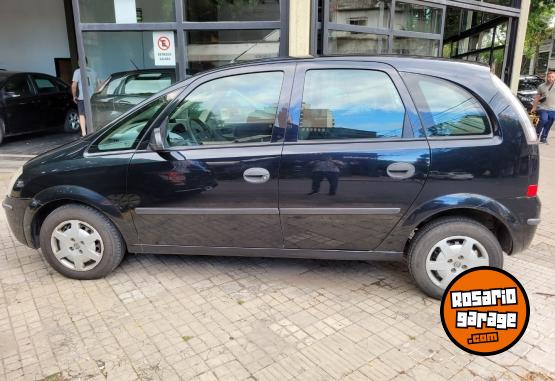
[(216, 183), (21, 105), (354, 158)]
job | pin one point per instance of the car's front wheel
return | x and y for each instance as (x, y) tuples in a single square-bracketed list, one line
[(80, 242), (71, 123), (447, 247)]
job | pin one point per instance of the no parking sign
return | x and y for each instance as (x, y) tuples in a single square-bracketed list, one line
[(164, 48)]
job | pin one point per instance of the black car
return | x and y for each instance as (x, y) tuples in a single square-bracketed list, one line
[(528, 89), (32, 102), (362, 158), (124, 90)]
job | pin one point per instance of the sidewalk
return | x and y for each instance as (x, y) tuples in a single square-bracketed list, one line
[(169, 317)]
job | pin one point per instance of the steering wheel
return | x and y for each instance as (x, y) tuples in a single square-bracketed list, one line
[(198, 127)]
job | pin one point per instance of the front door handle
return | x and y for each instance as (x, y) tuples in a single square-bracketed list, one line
[(256, 175), (400, 170)]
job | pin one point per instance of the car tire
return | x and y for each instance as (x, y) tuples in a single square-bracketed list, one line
[(80, 242), (448, 246), (71, 123)]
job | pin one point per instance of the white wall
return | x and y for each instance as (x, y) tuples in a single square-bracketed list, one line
[(32, 33)]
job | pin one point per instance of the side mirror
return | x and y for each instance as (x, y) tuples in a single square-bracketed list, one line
[(156, 141), (11, 94)]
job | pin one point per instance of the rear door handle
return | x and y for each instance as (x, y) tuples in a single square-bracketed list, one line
[(400, 170), (256, 175)]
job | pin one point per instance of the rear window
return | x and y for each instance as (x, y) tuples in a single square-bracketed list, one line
[(147, 84), (447, 109)]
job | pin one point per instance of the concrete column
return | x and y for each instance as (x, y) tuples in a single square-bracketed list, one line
[(519, 45), (299, 28)]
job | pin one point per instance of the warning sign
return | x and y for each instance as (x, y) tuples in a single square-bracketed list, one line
[(164, 48)]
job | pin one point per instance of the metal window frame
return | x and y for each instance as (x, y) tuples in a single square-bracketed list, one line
[(390, 32), (180, 27)]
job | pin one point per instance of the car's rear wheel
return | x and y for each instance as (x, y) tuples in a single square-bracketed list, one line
[(447, 247), (80, 242), (71, 123)]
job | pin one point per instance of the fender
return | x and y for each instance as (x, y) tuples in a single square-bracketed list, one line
[(116, 213), (421, 212)]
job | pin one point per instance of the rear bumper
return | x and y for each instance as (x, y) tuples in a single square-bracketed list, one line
[(527, 212), (15, 211)]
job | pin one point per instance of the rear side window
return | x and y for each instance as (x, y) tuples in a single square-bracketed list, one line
[(447, 109), (350, 104), (45, 85)]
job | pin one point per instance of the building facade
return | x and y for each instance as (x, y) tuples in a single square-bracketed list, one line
[(189, 36)]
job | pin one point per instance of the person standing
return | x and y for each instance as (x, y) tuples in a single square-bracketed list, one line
[(77, 92), (544, 103)]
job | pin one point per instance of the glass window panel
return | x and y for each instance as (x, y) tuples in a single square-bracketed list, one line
[(447, 50), (447, 109), (497, 61), (212, 48), (231, 10), (234, 109), (417, 18), (415, 46), (350, 104), (18, 86), (452, 22), (500, 34), (117, 55), (128, 11), (127, 133), (341, 42), (483, 57), (508, 3), (371, 13), (44, 85)]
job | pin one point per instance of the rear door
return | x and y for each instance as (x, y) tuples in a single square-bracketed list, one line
[(354, 159), (51, 100)]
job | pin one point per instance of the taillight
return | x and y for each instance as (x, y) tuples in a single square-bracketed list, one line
[(532, 190)]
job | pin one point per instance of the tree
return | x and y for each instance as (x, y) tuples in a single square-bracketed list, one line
[(538, 30)]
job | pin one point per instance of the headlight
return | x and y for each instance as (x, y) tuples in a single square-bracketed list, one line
[(14, 179)]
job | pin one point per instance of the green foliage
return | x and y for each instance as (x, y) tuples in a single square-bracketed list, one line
[(541, 13)]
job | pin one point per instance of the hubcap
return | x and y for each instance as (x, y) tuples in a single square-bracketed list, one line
[(77, 245), (452, 256), (74, 120)]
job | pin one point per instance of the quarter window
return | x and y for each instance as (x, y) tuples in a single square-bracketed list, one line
[(350, 104), (236, 109), (446, 109), (127, 133)]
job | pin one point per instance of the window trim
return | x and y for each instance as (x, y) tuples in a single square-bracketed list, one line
[(483, 105), (287, 68), (412, 125)]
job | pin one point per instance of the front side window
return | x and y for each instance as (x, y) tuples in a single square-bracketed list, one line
[(127, 133), (236, 109), (447, 109), (350, 104), (18, 87)]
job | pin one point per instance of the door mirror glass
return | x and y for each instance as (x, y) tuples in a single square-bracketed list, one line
[(11, 94), (156, 141)]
